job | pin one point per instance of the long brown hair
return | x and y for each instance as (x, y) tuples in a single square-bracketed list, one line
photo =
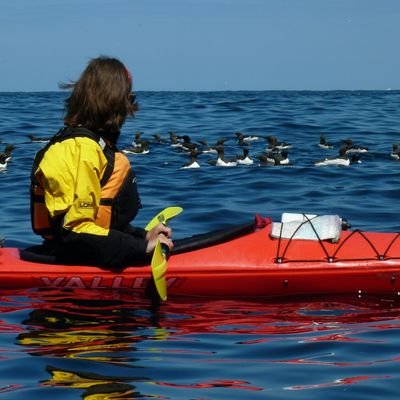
[(101, 98)]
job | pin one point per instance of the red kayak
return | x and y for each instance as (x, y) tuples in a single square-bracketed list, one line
[(242, 261)]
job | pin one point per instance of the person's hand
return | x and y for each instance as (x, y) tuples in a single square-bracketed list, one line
[(163, 234), (160, 228)]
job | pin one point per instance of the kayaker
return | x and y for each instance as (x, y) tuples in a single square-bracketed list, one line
[(83, 191)]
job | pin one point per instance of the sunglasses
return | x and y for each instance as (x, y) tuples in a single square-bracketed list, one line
[(132, 97)]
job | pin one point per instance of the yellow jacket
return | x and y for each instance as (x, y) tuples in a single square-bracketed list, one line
[(64, 193), (93, 213)]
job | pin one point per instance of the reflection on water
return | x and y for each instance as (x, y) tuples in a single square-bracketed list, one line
[(94, 386), (124, 348), (91, 330)]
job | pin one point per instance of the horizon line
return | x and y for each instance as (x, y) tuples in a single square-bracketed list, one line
[(218, 91)]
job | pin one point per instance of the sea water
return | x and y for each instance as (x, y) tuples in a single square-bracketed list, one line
[(91, 345)]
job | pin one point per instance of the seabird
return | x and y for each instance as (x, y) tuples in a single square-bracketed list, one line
[(242, 139), (193, 160), (158, 139), (395, 152), (351, 148), (186, 143), (36, 139), (274, 144), (221, 161), (174, 140), (274, 158), (341, 160), (324, 144), (245, 159), (6, 155), (136, 150), (3, 162)]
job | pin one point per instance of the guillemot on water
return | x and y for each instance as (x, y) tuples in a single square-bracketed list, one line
[(6, 155), (324, 144), (341, 160), (274, 144), (36, 139), (3, 162), (245, 159), (352, 148), (187, 144), (221, 161), (193, 163), (212, 149), (158, 139), (274, 158), (173, 137), (244, 139), (136, 150), (395, 151)]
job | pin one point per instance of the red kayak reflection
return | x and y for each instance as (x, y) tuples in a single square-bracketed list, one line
[(102, 310), (115, 328)]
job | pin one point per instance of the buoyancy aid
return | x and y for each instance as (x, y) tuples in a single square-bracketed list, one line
[(119, 202)]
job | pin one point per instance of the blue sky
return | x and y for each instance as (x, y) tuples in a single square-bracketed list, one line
[(204, 44)]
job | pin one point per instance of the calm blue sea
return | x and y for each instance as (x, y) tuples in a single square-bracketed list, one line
[(91, 345)]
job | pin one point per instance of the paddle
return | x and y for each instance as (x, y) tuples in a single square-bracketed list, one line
[(159, 263), (163, 217), (159, 267)]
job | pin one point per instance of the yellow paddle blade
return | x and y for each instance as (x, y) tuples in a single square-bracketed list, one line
[(163, 216), (159, 267)]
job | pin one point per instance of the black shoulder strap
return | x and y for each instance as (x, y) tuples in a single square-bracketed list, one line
[(72, 132)]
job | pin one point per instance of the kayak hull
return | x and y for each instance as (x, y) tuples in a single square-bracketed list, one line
[(251, 265)]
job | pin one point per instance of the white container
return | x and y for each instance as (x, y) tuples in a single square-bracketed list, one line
[(308, 227)]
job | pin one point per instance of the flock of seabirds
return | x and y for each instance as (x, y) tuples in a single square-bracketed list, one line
[(275, 153)]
